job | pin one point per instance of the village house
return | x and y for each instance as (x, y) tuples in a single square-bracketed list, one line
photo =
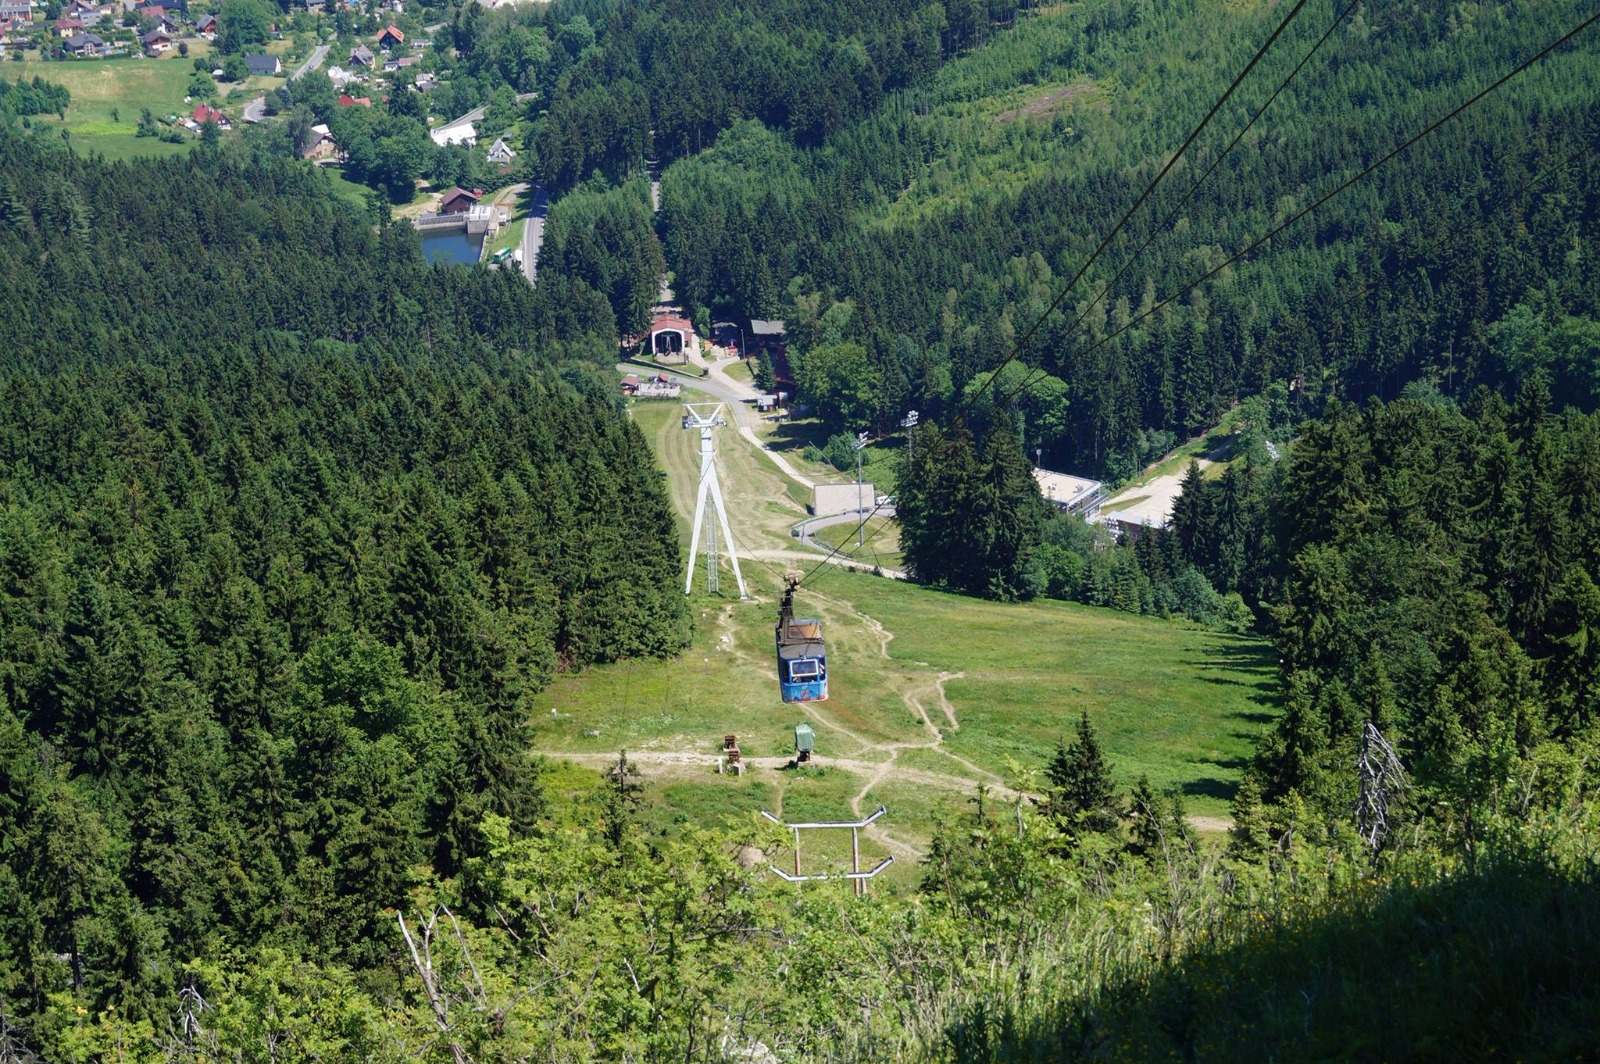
[(206, 113), (500, 152), (459, 201), (155, 42), (321, 149), (264, 65), (86, 44), (315, 7), (390, 38), (346, 100), (361, 55), (16, 9), (207, 27), (68, 27), (425, 82)]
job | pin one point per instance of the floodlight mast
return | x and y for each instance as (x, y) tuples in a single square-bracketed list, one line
[(705, 417)]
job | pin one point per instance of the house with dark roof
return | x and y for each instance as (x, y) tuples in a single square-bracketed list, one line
[(20, 9), (264, 65), (391, 37), (323, 147), (206, 26), (361, 55), (459, 201), (86, 44), (155, 42)]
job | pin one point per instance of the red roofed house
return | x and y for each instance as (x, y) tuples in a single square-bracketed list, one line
[(670, 335), (459, 201), (66, 27), (206, 113), (346, 100), (390, 37)]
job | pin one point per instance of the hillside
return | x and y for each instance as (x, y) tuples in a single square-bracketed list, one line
[(939, 228)]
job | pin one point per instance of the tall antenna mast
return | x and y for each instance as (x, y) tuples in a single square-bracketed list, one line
[(705, 417)]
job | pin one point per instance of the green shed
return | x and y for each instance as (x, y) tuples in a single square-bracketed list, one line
[(805, 740)]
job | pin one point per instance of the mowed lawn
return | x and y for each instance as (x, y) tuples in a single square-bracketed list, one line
[(1170, 700), (107, 96)]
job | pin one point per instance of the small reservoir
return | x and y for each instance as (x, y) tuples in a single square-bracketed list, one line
[(452, 246)]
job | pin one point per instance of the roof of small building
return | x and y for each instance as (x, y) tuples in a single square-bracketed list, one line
[(671, 322), (262, 64), (154, 35), (69, 24), (84, 40), (766, 328), (392, 30)]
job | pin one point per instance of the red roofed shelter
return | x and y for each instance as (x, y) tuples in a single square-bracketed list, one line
[(670, 335)]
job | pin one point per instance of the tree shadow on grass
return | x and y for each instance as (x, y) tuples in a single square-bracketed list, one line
[(1210, 787), (1384, 976)]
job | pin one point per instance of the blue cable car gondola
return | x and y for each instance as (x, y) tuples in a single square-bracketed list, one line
[(802, 658)]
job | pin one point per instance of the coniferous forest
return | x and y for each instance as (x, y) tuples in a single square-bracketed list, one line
[(293, 525)]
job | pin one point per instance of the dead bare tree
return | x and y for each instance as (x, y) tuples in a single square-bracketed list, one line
[(422, 959), (1382, 781)]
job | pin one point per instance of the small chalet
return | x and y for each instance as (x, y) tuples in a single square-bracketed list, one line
[(460, 201), (322, 147), (207, 27), (425, 83), (500, 152), (68, 27), (86, 44), (391, 37), (361, 55), (206, 113), (346, 100), (264, 65), (155, 42)]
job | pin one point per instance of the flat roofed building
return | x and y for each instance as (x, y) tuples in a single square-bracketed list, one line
[(1066, 492)]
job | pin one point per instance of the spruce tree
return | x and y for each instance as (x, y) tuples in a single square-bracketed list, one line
[(1082, 797)]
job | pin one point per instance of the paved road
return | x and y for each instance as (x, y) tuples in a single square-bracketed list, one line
[(533, 234), (318, 54), (256, 109)]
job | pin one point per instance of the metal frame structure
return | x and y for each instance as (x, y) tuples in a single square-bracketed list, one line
[(857, 877), (705, 417)]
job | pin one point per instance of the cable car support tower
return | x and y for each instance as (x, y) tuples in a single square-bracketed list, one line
[(706, 417)]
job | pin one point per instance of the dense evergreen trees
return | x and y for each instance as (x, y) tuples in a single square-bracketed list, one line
[(970, 515), (291, 528)]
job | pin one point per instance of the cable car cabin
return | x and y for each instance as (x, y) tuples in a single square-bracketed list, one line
[(802, 657)]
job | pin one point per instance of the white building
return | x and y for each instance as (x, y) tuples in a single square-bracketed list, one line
[(455, 133)]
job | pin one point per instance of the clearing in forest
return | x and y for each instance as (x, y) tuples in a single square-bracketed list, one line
[(931, 694)]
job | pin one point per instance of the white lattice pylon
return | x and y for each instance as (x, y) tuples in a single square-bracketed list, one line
[(706, 417)]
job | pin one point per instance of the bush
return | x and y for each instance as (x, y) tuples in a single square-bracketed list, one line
[(840, 451)]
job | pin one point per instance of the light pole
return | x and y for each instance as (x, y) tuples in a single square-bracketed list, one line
[(909, 423), (1038, 456), (861, 506)]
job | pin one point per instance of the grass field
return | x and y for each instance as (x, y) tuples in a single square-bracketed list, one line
[(107, 96), (930, 693)]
